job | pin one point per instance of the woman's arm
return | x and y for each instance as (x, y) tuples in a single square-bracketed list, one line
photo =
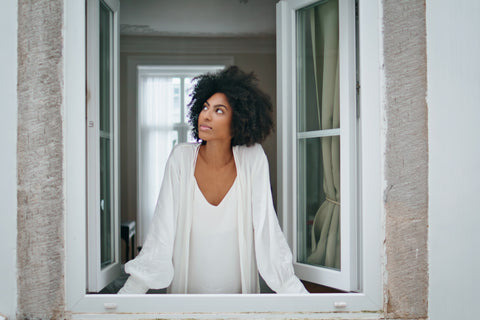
[(153, 267), (274, 258)]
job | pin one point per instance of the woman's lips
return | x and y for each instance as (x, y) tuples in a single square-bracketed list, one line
[(204, 127)]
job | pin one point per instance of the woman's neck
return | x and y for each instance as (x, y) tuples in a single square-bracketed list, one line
[(216, 153)]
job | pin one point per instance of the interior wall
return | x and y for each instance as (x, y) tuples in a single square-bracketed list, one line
[(454, 157), (250, 54), (206, 17)]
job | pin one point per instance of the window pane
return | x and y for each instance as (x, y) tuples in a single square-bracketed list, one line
[(106, 159), (317, 67), (106, 224), (318, 194), (173, 106), (159, 114), (105, 67)]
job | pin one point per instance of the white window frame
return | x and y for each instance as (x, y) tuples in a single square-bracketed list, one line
[(99, 277), (346, 278), (368, 303)]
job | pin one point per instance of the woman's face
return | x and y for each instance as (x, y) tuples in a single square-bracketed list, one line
[(214, 121)]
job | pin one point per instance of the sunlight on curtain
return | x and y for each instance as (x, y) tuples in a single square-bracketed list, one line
[(318, 147), (158, 110)]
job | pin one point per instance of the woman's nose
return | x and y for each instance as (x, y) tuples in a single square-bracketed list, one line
[(207, 114)]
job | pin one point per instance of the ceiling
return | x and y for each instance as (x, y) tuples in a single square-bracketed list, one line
[(211, 18)]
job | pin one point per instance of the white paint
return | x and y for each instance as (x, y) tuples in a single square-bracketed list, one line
[(453, 50), (75, 156), (238, 316), (8, 160), (193, 17)]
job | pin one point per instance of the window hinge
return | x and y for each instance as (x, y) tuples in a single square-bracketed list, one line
[(358, 100), (90, 124)]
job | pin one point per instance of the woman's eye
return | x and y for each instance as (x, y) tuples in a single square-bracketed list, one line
[(219, 111), (204, 108)]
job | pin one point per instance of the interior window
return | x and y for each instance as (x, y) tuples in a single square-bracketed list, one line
[(163, 96)]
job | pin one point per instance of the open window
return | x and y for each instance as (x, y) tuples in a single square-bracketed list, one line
[(318, 142), (102, 144), (365, 186)]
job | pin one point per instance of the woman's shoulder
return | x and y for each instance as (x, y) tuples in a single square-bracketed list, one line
[(183, 152), (251, 154), (183, 149)]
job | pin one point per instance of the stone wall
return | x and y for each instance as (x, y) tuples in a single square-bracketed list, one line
[(40, 215), (406, 160)]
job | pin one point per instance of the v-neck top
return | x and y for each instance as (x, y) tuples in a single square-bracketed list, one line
[(214, 263)]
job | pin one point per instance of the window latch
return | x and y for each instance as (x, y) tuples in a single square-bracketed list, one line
[(110, 305)]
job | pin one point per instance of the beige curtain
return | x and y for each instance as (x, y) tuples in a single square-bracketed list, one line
[(326, 225)]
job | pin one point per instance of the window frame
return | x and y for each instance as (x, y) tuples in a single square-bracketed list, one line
[(99, 277), (347, 277), (366, 304)]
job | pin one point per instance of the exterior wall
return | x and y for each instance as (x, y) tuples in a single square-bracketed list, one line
[(40, 240), (8, 165), (452, 86), (454, 152), (406, 160)]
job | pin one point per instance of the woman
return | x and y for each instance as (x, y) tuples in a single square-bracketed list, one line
[(214, 226)]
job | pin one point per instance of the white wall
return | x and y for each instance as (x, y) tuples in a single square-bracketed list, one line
[(453, 47), (8, 169)]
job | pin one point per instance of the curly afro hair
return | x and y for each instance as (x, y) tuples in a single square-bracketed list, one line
[(252, 109)]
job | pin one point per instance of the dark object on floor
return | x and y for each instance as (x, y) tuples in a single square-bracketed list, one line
[(128, 235)]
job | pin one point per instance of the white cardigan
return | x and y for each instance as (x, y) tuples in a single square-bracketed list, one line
[(163, 260)]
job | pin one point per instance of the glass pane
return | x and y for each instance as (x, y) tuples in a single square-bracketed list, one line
[(317, 67), (173, 102), (105, 67), (106, 160), (159, 100), (318, 194), (106, 225)]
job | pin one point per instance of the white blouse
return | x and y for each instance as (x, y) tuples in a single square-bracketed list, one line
[(164, 259), (214, 256)]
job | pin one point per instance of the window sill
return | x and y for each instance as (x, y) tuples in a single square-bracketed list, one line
[(318, 306)]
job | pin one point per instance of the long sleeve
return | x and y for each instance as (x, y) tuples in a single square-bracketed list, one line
[(273, 255), (153, 267)]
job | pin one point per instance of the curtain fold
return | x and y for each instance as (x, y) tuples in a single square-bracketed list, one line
[(155, 100), (326, 224)]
